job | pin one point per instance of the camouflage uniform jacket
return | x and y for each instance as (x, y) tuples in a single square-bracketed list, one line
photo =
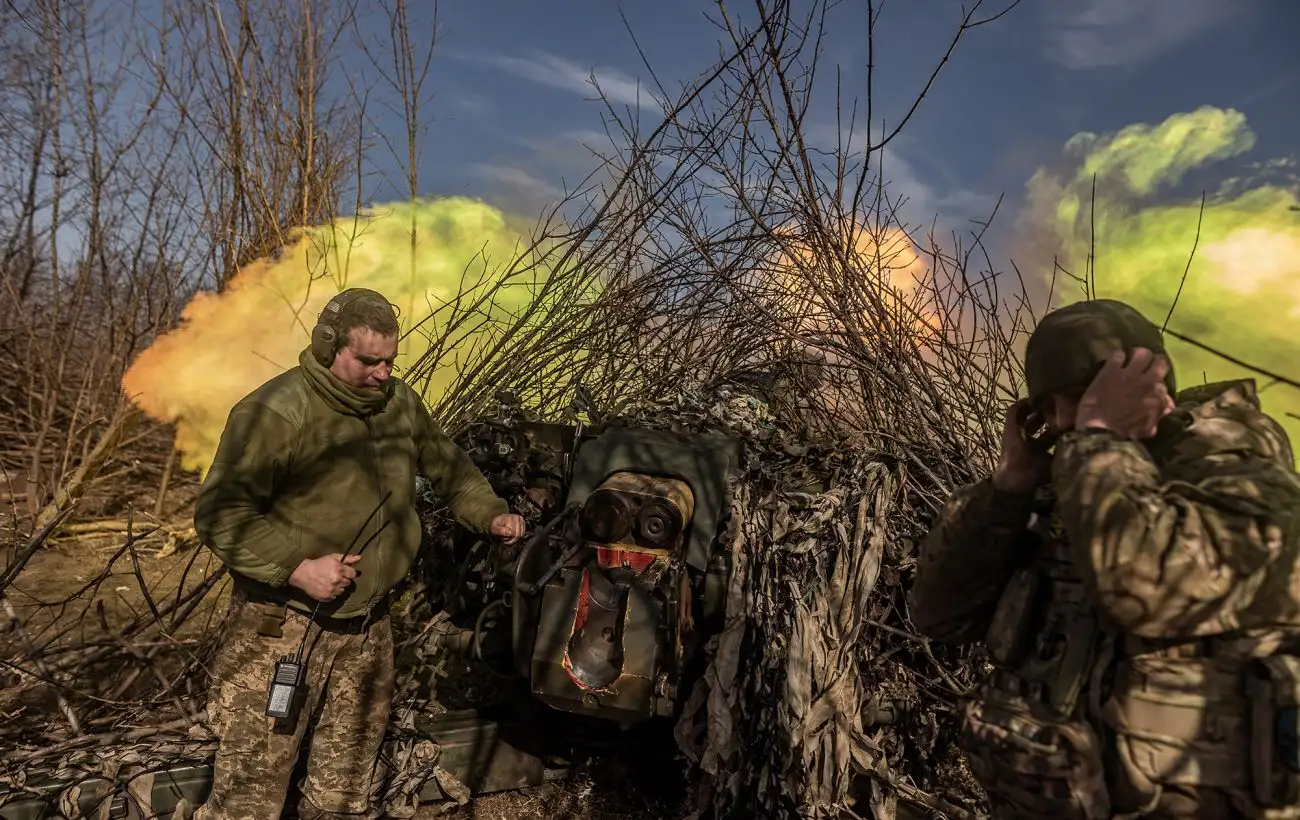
[(1142, 615)]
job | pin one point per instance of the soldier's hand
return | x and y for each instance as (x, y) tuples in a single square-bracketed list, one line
[(1022, 466), (325, 578), (508, 527), (1129, 399)]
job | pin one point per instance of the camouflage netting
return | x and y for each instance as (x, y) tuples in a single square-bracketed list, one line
[(817, 692)]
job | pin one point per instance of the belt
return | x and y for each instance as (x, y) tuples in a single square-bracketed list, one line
[(274, 610)]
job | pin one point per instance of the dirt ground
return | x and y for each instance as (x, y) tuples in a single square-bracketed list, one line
[(79, 592), (59, 595), (69, 578)]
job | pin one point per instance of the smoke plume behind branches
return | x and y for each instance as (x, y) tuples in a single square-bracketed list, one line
[(464, 280), (1241, 292)]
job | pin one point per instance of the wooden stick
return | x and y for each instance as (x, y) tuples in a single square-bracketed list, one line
[(146, 662), (29, 549), (97, 741), (917, 797), (166, 481), (90, 466), (112, 526)]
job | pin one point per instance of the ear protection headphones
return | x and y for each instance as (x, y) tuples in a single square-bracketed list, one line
[(326, 335)]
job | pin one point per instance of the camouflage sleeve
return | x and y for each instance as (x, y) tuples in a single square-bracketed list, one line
[(967, 559), (229, 513), (468, 494), (1182, 554)]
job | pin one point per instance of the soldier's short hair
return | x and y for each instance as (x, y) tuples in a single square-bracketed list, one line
[(375, 313)]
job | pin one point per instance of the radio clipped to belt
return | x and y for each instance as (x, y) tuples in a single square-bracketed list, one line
[(285, 692), (1274, 691)]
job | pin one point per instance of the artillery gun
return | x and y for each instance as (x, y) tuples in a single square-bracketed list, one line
[(605, 607)]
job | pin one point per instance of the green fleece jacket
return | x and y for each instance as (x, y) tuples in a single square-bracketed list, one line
[(308, 466)]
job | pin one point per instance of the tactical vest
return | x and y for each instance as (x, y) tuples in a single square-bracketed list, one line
[(1079, 723)]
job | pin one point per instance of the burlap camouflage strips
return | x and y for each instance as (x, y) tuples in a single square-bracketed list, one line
[(1159, 573), (349, 692)]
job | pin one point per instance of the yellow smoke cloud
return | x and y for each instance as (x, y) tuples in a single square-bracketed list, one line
[(1242, 290), (229, 343)]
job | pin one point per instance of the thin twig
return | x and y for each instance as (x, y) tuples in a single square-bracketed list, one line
[(66, 708), (1187, 269), (1233, 359)]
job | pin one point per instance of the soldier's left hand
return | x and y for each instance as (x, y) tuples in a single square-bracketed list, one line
[(1129, 399), (508, 527)]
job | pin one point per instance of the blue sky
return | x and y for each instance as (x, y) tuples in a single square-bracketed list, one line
[(512, 106)]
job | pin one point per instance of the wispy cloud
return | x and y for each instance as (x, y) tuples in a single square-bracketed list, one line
[(560, 72), (1092, 34), (470, 102), (521, 185), (925, 204), (576, 151)]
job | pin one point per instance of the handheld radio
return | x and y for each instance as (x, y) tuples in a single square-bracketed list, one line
[(285, 694)]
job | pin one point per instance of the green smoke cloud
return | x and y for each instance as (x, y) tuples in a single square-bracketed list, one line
[(456, 279), (1242, 289)]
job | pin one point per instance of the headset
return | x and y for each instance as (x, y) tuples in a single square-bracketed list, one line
[(326, 335)]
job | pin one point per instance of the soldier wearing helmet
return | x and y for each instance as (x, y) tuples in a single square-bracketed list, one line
[(1132, 566)]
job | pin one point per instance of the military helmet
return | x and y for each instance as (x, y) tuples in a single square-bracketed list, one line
[(1070, 344)]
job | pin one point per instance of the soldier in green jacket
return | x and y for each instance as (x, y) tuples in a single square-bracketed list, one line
[(1134, 574), (310, 503)]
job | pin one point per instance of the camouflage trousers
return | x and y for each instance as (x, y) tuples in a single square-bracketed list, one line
[(349, 691)]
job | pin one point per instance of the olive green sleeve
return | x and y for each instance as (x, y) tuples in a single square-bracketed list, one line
[(467, 493), (1184, 552), (966, 561), (251, 460)]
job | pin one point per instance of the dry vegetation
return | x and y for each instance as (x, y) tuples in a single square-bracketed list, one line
[(145, 157)]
